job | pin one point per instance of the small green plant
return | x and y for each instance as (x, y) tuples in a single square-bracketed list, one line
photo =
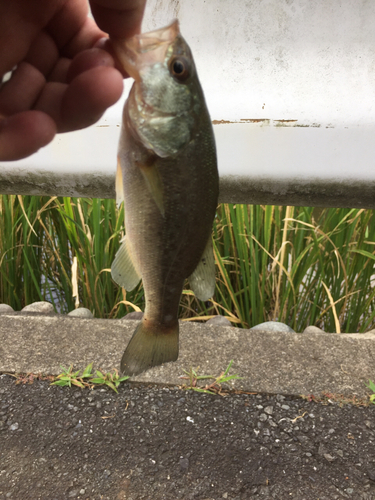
[(69, 378), (371, 386), (87, 378), (211, 388), (113, 380)]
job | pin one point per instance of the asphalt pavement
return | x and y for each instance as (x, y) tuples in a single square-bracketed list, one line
[(296, 425)]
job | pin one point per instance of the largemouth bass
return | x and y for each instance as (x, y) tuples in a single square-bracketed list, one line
[(167, 176)]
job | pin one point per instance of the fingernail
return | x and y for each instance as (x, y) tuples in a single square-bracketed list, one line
[(101, 43)]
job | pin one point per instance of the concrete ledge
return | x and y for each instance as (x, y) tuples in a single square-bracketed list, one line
[(285, 363)]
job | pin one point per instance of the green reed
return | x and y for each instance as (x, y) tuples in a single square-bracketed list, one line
[(299, 265)]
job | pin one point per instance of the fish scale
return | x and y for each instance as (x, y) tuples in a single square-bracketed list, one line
[(167, 176)]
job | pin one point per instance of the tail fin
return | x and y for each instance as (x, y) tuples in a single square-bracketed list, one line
[(149, 346)]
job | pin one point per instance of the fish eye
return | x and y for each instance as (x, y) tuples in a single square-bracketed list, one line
[(179, 68)]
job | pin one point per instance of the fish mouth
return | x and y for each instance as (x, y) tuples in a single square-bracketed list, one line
[(145, 49)]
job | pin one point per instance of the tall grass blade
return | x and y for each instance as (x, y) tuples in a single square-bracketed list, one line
[(300, 265)]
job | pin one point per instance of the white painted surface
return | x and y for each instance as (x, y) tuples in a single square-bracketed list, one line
[(269, 60)]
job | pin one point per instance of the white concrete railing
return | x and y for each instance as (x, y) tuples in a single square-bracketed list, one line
[(291, 89)]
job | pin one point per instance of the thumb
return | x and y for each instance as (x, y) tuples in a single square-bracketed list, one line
[(118, 18)]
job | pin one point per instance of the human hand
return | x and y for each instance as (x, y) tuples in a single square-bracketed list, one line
[(66, 76)]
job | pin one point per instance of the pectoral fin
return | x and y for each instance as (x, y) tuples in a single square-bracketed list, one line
[(119, 186), (202, 280), (154, 184), (123, 269)]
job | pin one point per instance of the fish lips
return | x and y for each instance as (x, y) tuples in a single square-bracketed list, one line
[(144, 50)]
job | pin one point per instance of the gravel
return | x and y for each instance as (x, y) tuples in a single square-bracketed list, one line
[(165, 443)]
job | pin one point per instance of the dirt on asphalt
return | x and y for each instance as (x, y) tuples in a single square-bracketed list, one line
[(166, 443)]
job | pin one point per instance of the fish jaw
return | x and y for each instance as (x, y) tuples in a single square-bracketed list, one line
[(145, 50)]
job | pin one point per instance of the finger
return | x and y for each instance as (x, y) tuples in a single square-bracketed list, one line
[(84, 39), (118, 18), (60, 71), (20, 22), (106, 45), (88, 96), (50, 100), (23, 134), (68, 21), (89, 59), (43, 53), (74, 33), (22, 90)]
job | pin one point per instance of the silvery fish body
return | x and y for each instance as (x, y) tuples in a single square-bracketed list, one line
[(167, 176)]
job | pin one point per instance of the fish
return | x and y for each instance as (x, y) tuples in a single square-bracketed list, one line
[(167, 177)]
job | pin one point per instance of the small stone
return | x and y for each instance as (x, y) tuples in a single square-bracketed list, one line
[(134, 315), (312, 329), (14, 427), (219, 321), (82, 491), (73, 493), (285, 407), (263, 417), (340, 453), (4, 308), (273, 326), (184, 463), (328, 457), (268, 410), (39, 307), (81, 312)]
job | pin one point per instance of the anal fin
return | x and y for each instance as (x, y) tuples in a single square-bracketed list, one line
[(123, 269), (202, 280)]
